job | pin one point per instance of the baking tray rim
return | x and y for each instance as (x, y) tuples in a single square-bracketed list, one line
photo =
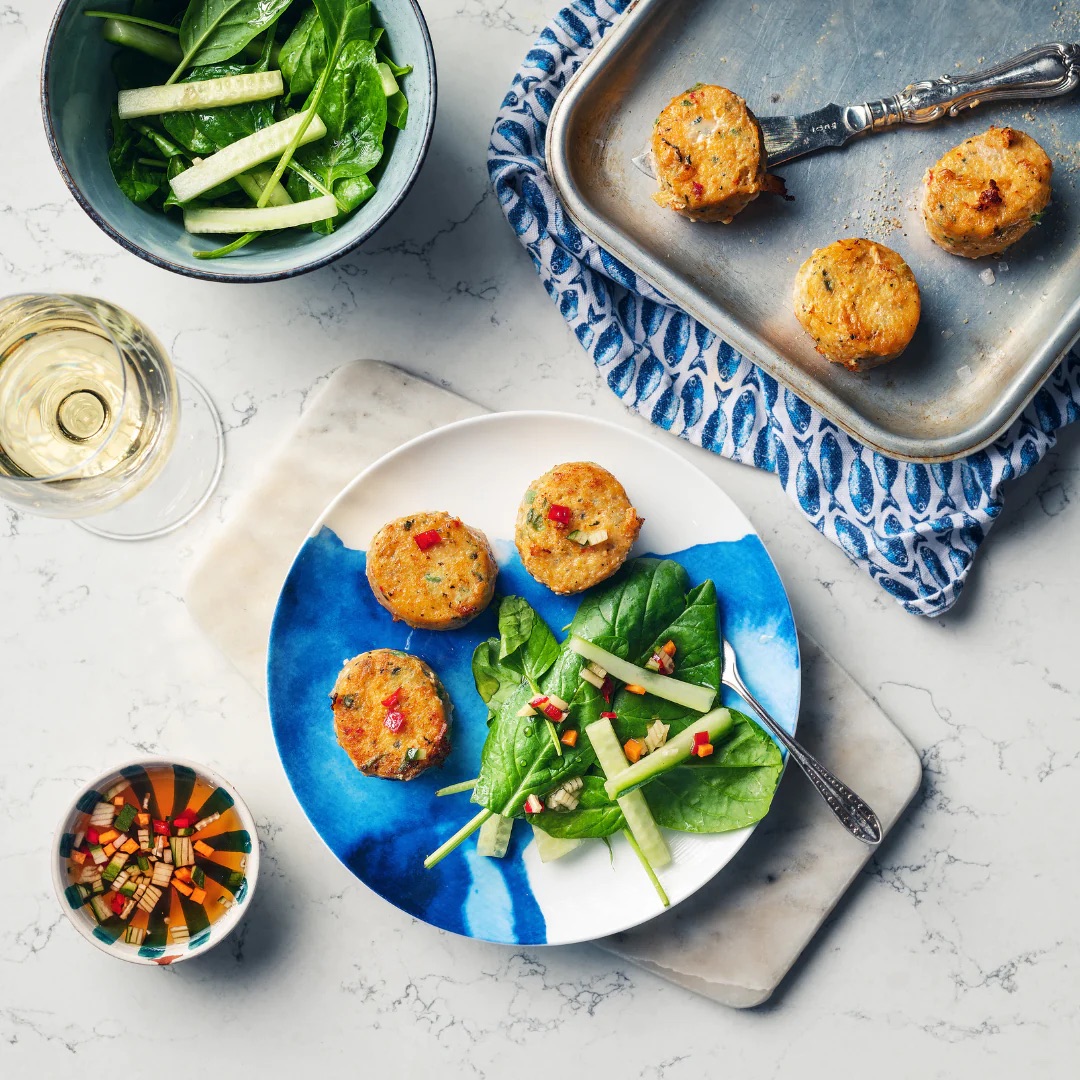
[(1040, 366)]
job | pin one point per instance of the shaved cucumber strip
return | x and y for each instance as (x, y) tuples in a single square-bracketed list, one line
[(243, 155), (203, 94), (494, 836), (690, 696), (142, 39), (550, 848), (259, 218), (674, 752), (635, 809), (389, 83)]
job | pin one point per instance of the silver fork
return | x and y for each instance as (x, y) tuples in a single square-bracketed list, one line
[(851, 811)]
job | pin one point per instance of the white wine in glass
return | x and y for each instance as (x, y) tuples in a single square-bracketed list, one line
[(92, 412)]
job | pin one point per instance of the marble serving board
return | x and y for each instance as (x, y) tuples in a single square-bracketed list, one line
[(735, 940)]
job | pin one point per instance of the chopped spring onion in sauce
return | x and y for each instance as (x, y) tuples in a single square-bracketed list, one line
[(158, 887)]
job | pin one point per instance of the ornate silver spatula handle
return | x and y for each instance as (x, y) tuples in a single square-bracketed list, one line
[(1042, 72)]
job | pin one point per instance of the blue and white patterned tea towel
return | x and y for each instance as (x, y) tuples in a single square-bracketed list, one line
[(914, 528)]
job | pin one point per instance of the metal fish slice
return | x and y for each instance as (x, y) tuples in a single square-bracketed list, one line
[(1042, 72)]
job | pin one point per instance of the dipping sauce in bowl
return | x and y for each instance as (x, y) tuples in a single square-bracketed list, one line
[(156, 861)]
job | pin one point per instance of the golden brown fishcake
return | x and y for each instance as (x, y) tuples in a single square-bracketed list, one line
[(439, 587), (709, 155), (596, 501), (859, 301), (391, 714), (986, 193)]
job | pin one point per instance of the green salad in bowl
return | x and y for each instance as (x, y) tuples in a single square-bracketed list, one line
[(244, 139)]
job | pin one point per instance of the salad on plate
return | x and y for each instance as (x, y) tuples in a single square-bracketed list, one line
[(616, 729)]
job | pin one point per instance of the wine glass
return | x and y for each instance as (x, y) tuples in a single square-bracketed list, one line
[(95, 422)]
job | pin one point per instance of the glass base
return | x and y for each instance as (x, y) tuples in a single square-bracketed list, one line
[(184, 485)]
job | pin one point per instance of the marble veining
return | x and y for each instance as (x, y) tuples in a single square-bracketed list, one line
[(954, 954)]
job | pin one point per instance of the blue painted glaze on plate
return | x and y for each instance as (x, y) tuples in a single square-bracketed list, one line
[(381, 829)]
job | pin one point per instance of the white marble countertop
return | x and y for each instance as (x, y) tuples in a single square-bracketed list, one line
[(954, 955)]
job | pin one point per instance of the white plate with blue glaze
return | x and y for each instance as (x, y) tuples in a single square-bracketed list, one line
[(382, 830)]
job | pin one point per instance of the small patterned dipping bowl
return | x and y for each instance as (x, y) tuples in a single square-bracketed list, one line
[(156, 861)]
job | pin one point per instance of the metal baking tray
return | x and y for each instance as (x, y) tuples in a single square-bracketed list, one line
[(982, 350)]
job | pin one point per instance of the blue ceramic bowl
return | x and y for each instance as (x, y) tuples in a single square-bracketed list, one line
[(78, 91)]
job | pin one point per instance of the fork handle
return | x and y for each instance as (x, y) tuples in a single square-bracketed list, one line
[(1042, 72), (850, 810)]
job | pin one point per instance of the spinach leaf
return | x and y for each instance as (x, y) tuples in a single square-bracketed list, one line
[(138, 181), (595, 816), (696, 635), (303, 55), (729, 790), (208, 130), (495, 682), (353, 107), (526, 644), (213, 31), (628, 613), (344, 20)]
